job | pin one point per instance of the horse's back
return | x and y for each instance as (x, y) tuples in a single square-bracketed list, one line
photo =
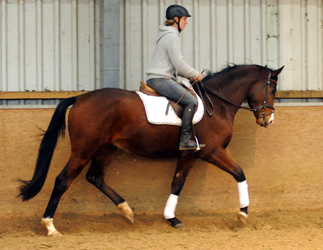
[(107, 95), (105, 108), (103, 100)]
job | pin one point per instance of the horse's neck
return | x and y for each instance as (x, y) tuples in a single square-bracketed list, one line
[(234, 90)]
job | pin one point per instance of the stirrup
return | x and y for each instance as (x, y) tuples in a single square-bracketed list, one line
[(185, 146), (199, 146), (190, 145)]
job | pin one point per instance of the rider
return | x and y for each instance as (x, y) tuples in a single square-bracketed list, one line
[(166, 62)]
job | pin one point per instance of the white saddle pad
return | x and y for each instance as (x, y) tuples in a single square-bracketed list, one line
[(155, 107)]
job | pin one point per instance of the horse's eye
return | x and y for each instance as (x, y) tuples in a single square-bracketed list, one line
[(273, 91)]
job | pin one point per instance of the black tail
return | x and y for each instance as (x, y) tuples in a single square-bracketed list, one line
[(46, 149)]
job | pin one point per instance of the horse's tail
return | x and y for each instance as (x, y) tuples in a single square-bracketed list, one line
[(56, 128)]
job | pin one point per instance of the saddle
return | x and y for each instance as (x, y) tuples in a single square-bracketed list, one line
[(144, 88)]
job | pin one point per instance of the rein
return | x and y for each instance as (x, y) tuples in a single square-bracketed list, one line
[(265, 105)]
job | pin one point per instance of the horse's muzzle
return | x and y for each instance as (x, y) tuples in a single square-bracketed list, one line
[(265, 121)]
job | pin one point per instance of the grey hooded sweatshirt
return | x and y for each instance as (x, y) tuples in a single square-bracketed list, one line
[(168, 58)]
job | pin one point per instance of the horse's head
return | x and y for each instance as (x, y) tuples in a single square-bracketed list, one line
[(261, 97)]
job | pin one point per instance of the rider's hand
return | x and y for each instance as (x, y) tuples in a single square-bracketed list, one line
[(192, 79), (200, 78)]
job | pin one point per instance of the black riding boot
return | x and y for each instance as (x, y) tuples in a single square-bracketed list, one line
[(186, 143)]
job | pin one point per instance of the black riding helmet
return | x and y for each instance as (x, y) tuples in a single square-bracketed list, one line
[(176, 10)]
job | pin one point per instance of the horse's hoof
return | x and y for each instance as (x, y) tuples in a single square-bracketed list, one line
[(176, 223), (179, 226), (130, 218), (243, 217), (48, 222), (54, 234), (127, 212)]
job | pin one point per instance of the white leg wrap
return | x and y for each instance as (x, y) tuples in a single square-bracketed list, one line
[(243, 194), (171, 204)]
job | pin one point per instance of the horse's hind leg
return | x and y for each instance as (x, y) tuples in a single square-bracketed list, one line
[(95, 176), (63, 181), (183, 168)]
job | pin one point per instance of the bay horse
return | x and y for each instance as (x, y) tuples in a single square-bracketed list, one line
[(102, 120)]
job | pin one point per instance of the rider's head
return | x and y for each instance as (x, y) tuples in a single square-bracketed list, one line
[(174, 14)]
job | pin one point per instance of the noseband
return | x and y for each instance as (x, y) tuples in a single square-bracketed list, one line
[(260, 109)]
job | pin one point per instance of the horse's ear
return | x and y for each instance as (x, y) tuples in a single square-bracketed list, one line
[(277, 71)]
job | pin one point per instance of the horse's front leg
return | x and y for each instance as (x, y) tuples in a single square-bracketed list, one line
[(183, 168), (221, 159)]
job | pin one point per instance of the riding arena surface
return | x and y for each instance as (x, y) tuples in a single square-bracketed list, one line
[(282, 164)]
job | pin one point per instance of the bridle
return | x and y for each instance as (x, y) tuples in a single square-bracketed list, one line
[(261, 109)]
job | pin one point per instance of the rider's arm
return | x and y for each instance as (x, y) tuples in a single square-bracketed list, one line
[(175, 54)]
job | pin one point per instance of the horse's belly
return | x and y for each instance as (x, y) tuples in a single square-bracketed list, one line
[(151, 151)]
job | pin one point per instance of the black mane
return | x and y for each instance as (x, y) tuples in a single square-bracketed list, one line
[(226, 72)]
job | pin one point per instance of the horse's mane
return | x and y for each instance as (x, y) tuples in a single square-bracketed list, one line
[(226, 72)]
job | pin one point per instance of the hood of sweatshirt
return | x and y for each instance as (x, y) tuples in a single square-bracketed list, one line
[(164, 30)]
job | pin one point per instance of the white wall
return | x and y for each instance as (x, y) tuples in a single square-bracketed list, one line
[(301, 44), (57, 45), (49, 45), (267, 32)]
